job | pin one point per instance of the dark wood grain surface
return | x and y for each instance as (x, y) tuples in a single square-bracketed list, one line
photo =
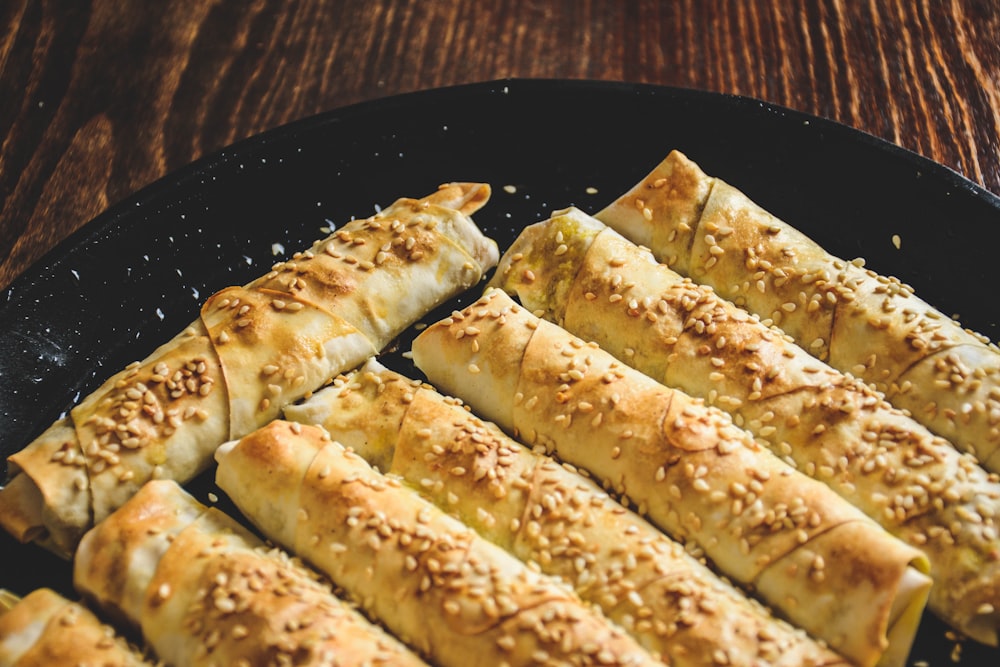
[(99, 98)]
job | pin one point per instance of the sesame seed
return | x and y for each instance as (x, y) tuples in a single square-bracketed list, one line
[(507, 643)]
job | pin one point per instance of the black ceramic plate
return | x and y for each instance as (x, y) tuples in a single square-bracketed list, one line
[(136, 275)]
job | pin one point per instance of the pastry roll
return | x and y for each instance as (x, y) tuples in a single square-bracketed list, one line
[(44, 629), (428, 577), (205, 591), (812, 556), (829, 425), (554, 517), (859, 322), (253, 350)]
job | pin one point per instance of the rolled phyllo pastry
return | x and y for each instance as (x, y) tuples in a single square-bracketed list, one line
[(43, 629), (555, 518), (426, 576), (253, 350), (203, 590), (829, 425), (816, 559), (858, 321)]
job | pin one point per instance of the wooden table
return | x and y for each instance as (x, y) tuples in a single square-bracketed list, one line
[(100, 98)]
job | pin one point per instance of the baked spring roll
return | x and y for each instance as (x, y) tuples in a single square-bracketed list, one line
[(253, 350), (552, 516), (205, 591), (829, 425), (428, 577), (43, 629), (859, 322), (812, 556)]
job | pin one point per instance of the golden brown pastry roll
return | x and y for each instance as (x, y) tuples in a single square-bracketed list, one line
[(811, 555), (205, 591), (43, 629), (253, 350), (858, 321), (426, 576), (829, 425), (552, 516)]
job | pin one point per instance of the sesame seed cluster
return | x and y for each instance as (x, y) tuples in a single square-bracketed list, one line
[(551, 515), (44, 628), (831, 426), (428, 577), (211, 593), (683, 465), (253, 350), (869, 325), (414, 248)]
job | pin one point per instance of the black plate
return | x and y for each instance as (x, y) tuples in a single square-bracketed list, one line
[(136, 275)]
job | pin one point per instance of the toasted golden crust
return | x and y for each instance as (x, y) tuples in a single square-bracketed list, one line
[(208, 592), (862, 323), (273, 350), (831, 426), (117, 559), (691, 471), (393, 267), (253, 350), (58, 498), (426, 576), (552, 516), (676, 192), (44, 629)]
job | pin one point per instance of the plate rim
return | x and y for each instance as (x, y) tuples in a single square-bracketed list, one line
[(106, 219)]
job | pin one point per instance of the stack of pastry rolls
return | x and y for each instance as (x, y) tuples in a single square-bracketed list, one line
[(203, 590), (870, 325), (253, 350), (552, 516), (428, 577), (831, 426), (817, 560)]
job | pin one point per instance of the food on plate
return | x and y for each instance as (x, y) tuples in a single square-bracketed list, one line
[(253, 350), (426, 576), (43, 629), (257, 351), (829, 425), (552, 516), (686, 467), (859, 322), (203, 590)]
